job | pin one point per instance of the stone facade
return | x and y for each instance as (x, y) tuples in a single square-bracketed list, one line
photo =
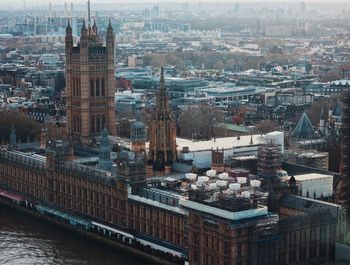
[(90, 84), (162, 145)]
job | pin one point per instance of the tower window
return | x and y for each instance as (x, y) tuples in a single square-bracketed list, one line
[(103, 121), (92, 88), (103, 93), (73, 81), (98, 123), (92, 124), (97, 87), (74, 122), (78, 87), (79, 124)]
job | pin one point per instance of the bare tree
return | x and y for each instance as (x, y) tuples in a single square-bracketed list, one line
[(198, 122), (25, 127), (264, 126)]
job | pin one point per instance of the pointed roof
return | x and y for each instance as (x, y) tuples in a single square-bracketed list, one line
[(322, 115), (162, 75), (338, 109), (162, 100), (83, 27), (292, 180), (68, 28), (94, 27), (304, 128), (110, 28)]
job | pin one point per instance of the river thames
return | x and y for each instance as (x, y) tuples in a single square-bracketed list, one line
[(24, 240)]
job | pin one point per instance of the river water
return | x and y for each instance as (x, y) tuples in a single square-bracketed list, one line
[(24, 240)]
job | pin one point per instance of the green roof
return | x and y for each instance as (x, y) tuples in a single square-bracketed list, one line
[(232, 127)]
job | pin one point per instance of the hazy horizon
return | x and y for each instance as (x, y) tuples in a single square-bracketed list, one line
[(21, 2)]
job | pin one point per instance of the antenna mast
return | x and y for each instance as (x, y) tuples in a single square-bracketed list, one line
[(88, 3)]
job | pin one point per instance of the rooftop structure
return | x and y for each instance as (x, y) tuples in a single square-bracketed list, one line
[(162, 146), (269, 161), (304, 128), (315, 185), (199, 152), (105, 161)]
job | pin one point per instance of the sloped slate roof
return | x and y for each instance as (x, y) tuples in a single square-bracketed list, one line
[(338, 109), (304, 128), (308, 205)]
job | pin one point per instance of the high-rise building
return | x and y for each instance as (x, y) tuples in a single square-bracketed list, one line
[(162, 145), (90, 84)]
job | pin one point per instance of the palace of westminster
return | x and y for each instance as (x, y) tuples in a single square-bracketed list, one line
[(216, 219)]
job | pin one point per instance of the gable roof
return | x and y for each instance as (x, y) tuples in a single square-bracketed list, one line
[(304, 128)]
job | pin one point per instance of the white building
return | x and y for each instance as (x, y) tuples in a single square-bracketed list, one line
[(200, 151), (315, 184)]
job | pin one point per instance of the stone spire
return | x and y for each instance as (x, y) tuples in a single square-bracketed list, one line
[(84, 30), (322, 115), (110, 28), (94, 28), (162, 147), (163, 110), (68, 28)]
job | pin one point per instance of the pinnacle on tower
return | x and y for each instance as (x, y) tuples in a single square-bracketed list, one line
[(68, 28), (94, 27), (83, 27), (109, 28), (162, 74), (88, 3)]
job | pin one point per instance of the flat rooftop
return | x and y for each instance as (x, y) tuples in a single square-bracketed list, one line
[(312, 176), (220, 143)]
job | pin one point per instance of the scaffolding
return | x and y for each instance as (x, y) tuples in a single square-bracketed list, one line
[(269, 160)]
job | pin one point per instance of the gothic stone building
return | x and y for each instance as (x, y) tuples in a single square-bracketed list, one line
[(162, 144), (90, 84)]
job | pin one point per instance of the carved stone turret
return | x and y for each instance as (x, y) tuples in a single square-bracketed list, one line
[(162, 147), (90, 84)]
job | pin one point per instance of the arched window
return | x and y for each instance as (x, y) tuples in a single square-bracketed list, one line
[(103, 92), (79, 124), (103, 121), (97, 87), (98, 123), (73, 84), (73, 123), (78, 87), (92, 124), (92, 88)]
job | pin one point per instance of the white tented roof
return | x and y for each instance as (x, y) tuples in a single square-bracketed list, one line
[(220, 143), (312, 176)]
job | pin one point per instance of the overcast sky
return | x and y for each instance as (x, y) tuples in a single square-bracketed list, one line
[(55, 2), (41, 3)]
